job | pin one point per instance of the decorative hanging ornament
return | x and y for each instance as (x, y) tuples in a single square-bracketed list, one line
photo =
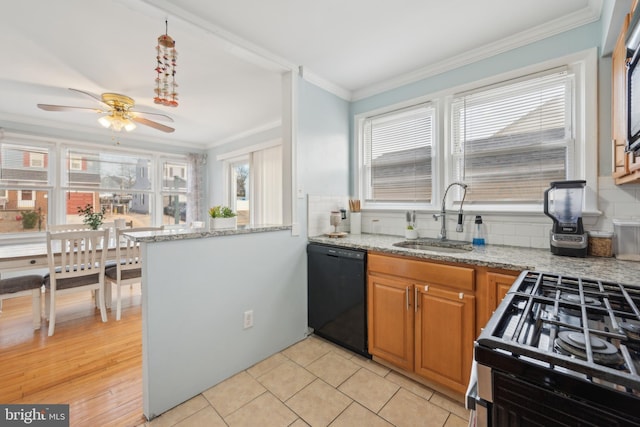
[(166, 56)]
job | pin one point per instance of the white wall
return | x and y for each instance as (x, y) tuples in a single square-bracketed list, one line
[(194, 295), (195, 291)]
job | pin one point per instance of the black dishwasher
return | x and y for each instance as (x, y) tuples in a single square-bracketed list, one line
[(337, 295)]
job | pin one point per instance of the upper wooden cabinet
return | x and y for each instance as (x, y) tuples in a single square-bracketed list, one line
[(626, 166)]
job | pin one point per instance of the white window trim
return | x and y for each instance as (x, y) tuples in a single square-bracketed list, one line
[(359, 156), (583, 64)]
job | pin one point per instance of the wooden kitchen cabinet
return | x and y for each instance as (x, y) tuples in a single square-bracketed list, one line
[(626, 166), (390, 319), (421, 317), (493, 284), (499, 284), (444, 335)]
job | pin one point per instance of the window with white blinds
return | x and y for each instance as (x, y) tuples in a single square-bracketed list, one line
[(398, 155), (24, 165), (509, 141)]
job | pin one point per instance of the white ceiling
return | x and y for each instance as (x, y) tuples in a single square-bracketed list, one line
[(232, 53)]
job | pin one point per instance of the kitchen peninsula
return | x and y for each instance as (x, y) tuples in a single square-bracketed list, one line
[(197, 285)]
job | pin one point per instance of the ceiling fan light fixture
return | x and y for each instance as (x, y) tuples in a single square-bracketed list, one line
[(129, 125), (104, 121), (117, 122)]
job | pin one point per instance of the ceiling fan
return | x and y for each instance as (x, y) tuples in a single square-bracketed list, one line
[(119, 112)]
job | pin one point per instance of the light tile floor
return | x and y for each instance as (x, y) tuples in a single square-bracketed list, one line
[(316, 383)]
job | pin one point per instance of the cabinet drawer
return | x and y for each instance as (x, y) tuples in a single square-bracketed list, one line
[(423, 271)]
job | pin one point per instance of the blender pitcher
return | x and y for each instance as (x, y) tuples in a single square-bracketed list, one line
[(563, 204)]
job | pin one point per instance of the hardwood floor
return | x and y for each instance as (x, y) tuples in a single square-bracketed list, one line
[(94, 367)]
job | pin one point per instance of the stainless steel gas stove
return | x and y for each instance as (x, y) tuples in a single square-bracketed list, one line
[(560, 350)]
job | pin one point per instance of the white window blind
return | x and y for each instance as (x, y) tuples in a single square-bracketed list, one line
[(398, 155), (510, 140), (24, 165)]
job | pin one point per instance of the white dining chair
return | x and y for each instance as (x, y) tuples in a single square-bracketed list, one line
[(57, 228), (19, 286), (76, 263), (128, 267)]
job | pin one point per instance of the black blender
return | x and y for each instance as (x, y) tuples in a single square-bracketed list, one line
[(563, 204)]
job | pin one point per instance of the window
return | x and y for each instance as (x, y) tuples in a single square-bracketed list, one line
[(174, 192), (254, 183), (397, 156), (239, 191), (75, 163), (114, 182), (24, 186), (510, 140), (36, 160)]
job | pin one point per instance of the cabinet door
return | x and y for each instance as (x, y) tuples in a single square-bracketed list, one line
[(619, 104), (499, 284), (445, 330), (390, 318)]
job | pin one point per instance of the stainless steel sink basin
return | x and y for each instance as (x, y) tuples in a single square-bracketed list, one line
[(434, 245)]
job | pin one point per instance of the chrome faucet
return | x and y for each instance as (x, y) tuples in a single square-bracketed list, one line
[(442, 214)]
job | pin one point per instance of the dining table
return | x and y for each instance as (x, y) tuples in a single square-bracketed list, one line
[(18, 257)]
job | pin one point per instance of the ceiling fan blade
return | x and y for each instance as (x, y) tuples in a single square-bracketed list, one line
[(92, 95), (156, 116), (152, 124), (49, 107)]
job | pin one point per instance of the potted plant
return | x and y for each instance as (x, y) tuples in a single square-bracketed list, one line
[(222, 217), (29, 219), (411, 232), (91, 218)]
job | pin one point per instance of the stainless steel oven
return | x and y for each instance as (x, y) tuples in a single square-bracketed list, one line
[(559, 350)]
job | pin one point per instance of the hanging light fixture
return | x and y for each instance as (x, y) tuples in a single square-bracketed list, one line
[(166, 56), (117, 121), (119, 117)]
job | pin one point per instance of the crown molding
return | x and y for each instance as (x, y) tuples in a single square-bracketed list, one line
[(584, 16), (325, 84), (236, 45), (254, 131)]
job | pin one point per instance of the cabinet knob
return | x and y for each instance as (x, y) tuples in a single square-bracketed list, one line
[(426, 288), (33, 261), (461, 295)]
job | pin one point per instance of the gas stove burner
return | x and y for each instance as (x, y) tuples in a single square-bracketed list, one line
[(572, 343), (631, 330), (575, 311), (575, 298)]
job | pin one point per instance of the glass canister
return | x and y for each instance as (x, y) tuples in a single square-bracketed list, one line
[(600, 243)]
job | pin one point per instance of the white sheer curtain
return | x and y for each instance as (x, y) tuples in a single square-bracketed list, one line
[(195, 186), (266, 186)]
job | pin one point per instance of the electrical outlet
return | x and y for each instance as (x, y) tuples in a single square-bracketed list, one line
[(248, 319)]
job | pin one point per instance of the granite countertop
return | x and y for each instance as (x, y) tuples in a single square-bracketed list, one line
[(199, 233), (503, 257)]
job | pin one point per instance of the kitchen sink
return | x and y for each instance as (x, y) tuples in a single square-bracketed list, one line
[(436, 245)]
